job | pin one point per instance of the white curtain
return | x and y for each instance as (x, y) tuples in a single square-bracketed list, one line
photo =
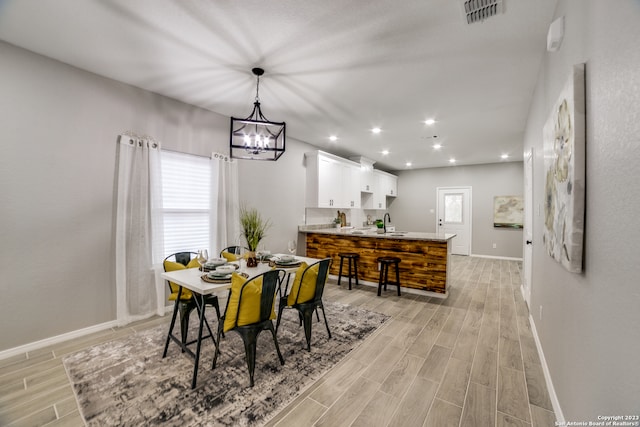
[(139, 234), (225, 204)]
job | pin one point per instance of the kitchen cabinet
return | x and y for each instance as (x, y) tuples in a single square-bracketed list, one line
[(386, 186), (366, 180), (332, 182), (352, 185), (379, 198)]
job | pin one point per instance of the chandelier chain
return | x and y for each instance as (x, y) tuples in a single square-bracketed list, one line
[(257, 88)]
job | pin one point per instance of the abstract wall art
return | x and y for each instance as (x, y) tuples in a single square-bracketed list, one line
[(508, 211), (564, 163)]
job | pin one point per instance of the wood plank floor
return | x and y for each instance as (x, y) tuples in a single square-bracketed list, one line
[(469, 360)]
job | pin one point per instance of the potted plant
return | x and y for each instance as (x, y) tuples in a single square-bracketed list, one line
[(254, 228)]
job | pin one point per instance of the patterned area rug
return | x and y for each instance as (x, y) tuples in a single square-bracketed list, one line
[(127, 383)]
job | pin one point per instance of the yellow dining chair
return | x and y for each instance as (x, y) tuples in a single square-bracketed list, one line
[(187, 303), (306, 295), (249, 311), (232, 253)]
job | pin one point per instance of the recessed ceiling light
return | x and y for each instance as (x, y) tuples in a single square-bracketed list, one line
[(429, 122), (408, 164), (437, 146), (504, 156), (376, 130), (452, 160), (333, 138), (385, 152)]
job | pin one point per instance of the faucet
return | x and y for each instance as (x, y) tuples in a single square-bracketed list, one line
[(384, 221)]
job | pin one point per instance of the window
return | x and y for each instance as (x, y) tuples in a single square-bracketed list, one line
[(453, 208), (185, 201)]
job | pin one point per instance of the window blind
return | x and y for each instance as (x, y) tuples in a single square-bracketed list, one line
[(185, 201)]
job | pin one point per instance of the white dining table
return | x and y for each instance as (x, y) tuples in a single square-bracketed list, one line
[(191, 278)]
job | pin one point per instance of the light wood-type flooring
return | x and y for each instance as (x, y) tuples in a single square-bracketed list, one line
[(469, 360)]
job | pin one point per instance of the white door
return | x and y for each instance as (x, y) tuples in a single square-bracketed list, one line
[(454, 216), (527, 273)]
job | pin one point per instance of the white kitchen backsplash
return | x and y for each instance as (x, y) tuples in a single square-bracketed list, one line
[(355, 217)]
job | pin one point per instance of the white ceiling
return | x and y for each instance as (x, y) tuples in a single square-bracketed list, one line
[(332, 67)]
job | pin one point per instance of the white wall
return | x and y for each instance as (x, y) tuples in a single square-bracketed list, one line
[(590, 330), (417, 196), (57, 172)]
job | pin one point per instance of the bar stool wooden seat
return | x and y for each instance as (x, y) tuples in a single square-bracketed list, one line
[(385, 262), (353, 271)]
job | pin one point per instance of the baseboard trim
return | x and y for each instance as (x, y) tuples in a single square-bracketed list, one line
[(4, 354), (547, 376), (496, 257)]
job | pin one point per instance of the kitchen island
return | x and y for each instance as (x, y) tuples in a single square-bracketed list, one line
[(425, 256)]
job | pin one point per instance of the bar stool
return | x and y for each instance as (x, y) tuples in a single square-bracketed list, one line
[(353, 260), (385, 262)]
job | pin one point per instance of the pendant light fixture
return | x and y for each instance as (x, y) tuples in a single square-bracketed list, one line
[(255, 137)]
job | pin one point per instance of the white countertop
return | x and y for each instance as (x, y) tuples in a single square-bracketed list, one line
[(372, 232)]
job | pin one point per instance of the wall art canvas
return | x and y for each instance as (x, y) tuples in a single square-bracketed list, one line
[(564, 162), (508, 211)]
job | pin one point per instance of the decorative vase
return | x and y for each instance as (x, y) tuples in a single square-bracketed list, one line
[(252, 260)]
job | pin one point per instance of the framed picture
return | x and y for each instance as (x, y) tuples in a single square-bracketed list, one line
[(508, 211), (564, 163)]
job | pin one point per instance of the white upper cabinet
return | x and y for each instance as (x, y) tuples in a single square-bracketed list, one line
[(332, 182), (389, 184), (352, 185), (328, 177), (366, 180), (386, 186)]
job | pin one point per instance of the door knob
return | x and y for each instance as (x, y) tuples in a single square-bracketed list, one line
[(529, 242)]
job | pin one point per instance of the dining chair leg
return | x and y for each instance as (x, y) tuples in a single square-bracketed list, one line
[(217, 351), (325, 321), (307, 316), (275, 341), (249, 338), (217, 307), (184, 323), (280, 310)]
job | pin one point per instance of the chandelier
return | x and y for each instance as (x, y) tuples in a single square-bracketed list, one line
[(255, 137)]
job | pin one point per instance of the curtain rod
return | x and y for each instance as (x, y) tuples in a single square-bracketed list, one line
[(186, 154)]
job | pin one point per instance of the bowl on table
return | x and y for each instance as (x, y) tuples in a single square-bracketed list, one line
[(225, 269), (213, 263), (287, 258)]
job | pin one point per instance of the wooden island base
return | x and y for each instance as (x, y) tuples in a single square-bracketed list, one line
[(424, 264)]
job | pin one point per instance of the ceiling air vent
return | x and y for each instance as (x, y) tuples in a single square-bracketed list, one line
[(479, 10)]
